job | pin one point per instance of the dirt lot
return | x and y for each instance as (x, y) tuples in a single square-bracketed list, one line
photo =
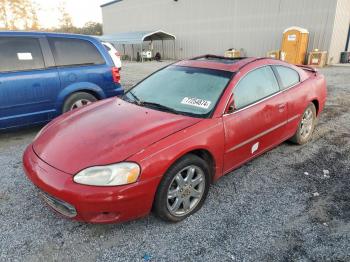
[(291, 204)]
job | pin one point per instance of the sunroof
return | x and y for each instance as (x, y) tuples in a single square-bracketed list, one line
[(218, 59)]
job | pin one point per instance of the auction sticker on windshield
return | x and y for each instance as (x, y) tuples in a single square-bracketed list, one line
[(196, 102)]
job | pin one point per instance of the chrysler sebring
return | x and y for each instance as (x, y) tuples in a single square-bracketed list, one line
[(161, 145)]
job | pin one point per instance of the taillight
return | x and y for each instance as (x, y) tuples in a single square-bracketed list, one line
[(116, 75)]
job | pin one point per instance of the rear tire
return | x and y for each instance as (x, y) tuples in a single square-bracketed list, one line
[(306, 126), (183, 189), (78, 100)]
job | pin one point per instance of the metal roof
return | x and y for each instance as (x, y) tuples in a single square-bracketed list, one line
[(137, 37), (110, 3), (302, 30)]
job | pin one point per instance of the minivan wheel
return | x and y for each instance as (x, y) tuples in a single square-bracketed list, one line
[(183, 189), (306, 126), (78, 100)]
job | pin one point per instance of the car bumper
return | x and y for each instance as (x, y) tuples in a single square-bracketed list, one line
[(88, 203), (117, 90)]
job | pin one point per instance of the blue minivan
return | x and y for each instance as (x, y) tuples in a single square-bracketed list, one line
[(43, 75)]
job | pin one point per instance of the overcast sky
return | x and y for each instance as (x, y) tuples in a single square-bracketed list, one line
[(81, 11)]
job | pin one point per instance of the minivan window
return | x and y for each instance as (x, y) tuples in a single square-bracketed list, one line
[(20, 53), (289, 77), (255, 86), (70, 52)]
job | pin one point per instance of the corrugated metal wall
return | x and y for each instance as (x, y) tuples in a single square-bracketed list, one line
[(207, 26), (340, 32)]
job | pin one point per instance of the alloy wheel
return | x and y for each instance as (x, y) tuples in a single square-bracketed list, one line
[(306, 124), (80, 103), (186, 190)]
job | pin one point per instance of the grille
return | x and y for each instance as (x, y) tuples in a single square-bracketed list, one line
[(59, 205)]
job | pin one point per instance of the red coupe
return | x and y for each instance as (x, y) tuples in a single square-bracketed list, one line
[(163, 143)]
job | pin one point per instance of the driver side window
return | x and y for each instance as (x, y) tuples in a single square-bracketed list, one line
[(255, 86)]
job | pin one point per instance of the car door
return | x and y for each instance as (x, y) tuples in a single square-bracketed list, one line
[(25, 83), (295, 96), (259, 119), (79, 62)]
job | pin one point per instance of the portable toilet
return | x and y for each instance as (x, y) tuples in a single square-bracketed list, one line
[(294, 44)]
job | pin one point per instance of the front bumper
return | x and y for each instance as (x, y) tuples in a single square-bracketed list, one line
[(59, 205), (88, 203)]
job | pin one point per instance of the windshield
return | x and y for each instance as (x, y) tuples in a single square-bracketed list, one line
[(184, 90)]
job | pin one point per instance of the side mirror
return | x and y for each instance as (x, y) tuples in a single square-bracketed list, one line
[(230, 106)]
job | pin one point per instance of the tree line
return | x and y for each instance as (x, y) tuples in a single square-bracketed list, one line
[(23, 15)]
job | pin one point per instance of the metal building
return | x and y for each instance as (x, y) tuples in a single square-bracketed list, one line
[(256, 26)]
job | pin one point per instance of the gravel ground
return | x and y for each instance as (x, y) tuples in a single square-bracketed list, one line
[(291, 204)]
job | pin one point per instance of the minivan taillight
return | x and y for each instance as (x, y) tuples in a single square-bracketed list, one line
[(116, 75)]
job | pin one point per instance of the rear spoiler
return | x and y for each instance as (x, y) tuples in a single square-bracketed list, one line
[(308, 68)]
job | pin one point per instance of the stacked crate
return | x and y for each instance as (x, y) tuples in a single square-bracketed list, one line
[(232, 53), (317, 58)]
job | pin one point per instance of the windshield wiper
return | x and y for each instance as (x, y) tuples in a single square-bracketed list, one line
[(152, 104), (136, 99), (160, 106)]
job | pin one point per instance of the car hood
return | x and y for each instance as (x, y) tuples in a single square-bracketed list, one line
[(103, 133)]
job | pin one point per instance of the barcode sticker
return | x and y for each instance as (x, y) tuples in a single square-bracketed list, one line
[(197, 102)]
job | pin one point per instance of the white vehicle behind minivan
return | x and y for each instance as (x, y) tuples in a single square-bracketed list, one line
[(114, 54)]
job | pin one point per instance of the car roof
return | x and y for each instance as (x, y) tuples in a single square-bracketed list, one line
[(220, 62), (236, 64), (42, 34)]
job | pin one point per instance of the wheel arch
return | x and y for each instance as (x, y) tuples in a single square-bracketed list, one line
[(89, 91), (317, 105), (89, 88), (207, 157), (204, 154)]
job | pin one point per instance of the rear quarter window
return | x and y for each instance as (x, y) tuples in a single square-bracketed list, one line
[(20, 54), (70, 52), (289, 77)]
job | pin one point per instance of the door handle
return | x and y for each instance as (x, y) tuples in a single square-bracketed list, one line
[(282, 107)]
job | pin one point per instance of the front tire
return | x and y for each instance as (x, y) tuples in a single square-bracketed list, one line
[(183, 189), (78, 100), (306, 126)]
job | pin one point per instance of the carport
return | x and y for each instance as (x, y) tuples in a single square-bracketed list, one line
[(138, 38)]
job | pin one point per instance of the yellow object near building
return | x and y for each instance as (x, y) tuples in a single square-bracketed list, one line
[(317, 58), (232, 53), (274, 54), (294, 44)]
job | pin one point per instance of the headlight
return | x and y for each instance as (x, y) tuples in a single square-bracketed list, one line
[(111, 175)]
